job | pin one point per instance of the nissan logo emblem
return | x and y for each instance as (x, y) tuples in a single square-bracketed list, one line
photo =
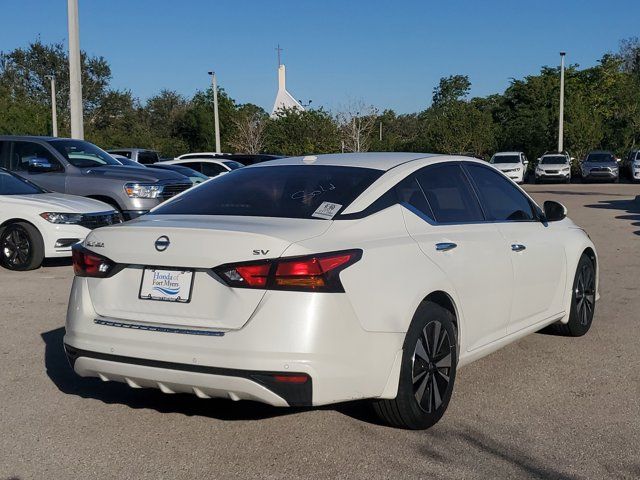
[(162, 243)]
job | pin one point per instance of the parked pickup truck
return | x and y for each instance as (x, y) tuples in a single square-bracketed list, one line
[(80, 168)]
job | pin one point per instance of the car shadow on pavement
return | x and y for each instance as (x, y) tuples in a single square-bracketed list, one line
[(630, 207), (68, 382)]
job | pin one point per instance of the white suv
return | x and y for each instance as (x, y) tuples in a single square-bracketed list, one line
[(512, 164)]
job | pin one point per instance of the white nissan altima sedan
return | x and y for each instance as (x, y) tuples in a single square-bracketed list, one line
[(316, 280)]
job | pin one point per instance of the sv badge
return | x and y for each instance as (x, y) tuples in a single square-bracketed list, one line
[(260, 252)]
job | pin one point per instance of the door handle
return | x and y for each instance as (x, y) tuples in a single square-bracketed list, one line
[(517, 247), (445, 246)]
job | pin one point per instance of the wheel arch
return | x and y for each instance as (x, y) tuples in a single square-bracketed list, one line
[(444, 300), (10, 221)]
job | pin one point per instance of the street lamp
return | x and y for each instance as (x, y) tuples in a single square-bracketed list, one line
[(54, 113), (561, 119), (214, 86), (75, 79)]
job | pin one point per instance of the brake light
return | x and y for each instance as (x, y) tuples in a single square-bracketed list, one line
[(316, 273), (89, 264)]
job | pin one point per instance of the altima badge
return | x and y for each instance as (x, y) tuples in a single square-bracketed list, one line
[(162, 243)]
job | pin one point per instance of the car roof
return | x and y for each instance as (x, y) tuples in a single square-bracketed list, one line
[(31, 137), (506, 153), (376, 160), (179, 161)]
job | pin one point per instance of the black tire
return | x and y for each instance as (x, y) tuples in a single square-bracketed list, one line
[(583, 301), (568, 180), (426, 384), (21, 247)]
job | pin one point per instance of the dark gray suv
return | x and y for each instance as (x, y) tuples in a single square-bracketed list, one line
[(80, 168)]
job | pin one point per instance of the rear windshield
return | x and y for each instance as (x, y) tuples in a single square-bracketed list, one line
[(148, 157), (13, 185), (505, 159), (599, 157), (554, 160), (290, 191)]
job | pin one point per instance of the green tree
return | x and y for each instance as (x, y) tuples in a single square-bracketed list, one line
[(293, 132)]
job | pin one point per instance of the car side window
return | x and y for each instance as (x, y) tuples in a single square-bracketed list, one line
[(501, 199), (449, 194), (23, 152), (147, 158), (410, 194), (212, 169), (193, 166)]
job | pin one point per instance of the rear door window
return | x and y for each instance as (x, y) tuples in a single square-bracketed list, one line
[(212, 169), (411, 196), (449, 194)]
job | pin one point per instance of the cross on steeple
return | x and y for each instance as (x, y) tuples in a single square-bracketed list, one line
[(279, 50)]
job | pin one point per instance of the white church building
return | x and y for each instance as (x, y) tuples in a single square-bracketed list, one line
[(284, 100)]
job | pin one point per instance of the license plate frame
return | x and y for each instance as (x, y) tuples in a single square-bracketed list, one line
[(168, 288)]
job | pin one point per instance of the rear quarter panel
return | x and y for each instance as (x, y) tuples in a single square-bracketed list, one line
[(386, 286)]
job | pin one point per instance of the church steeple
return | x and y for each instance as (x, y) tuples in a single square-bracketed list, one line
[(284, 100)]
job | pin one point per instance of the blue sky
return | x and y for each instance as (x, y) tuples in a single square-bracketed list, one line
[(388, 53)]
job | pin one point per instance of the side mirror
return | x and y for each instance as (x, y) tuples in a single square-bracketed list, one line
[(40, 165), (526, 163), (554, 211)]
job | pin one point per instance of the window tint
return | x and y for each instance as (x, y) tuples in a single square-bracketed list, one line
[(14, 185), (449, 194), (212, 169), (291, 191), (410, 193), (233, 165), (23, 152), (192, 165), (502, 200), (83, 154), (147, 158)]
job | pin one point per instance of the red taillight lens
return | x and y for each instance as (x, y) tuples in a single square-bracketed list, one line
[(318, 273), (89, 264), (254, 275)]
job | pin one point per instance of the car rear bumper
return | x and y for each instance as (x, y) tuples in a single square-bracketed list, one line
[(279, 389), (311, 334)]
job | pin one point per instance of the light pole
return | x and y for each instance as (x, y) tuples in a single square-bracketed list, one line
[(75, 79), (54, 113), (561, 119), (214, 86)]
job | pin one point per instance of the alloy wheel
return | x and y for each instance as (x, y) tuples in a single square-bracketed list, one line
[(16, 247), (585, 294), (431, 366)]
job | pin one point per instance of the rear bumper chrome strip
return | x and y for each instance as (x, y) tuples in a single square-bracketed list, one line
[(154, 328)]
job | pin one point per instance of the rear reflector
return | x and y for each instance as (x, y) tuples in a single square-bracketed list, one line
[(291, 378), (89, 264), (316, 273)]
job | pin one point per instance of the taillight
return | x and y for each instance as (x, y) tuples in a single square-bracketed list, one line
[(315, 273), (89, 264)]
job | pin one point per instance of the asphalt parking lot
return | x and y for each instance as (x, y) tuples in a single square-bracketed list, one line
[(544, 407)]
